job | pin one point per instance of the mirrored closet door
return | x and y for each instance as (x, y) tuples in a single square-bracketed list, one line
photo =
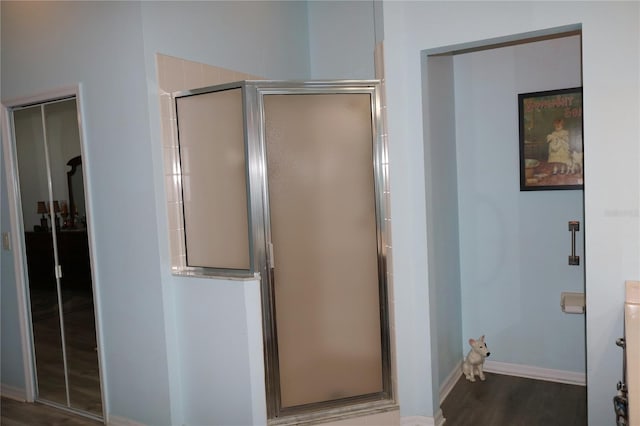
[(56, 249)]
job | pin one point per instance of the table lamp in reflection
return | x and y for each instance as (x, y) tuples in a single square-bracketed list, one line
[(42, 209), (56, 210), (64, 212)]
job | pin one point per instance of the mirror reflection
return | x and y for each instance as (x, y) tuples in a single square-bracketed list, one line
[(54, 218)]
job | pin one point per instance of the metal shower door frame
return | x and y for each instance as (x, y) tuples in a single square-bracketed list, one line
[(254, 92)]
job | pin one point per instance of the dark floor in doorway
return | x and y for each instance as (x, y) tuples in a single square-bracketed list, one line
[(503, 400)]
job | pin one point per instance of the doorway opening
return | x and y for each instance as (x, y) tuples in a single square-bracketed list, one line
[(53, 257), (499, 265)]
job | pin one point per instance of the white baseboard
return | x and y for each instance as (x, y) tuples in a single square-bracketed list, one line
[(450, 381), (538, 373), (12, 392), (121, 421), (417, 421), (439, 418)]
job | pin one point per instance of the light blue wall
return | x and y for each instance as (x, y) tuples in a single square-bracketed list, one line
[(215, 335), (612, 238), (264, 38), (221, 378), (175, 350), (11, 370), (341, 39), (515, 245), (106, 47), (441, 182), (53, 44)]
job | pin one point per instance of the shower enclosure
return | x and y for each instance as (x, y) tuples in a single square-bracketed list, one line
[(288, 182)]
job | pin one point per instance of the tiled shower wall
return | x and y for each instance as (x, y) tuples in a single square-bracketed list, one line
[(174, 75), (378, 56)]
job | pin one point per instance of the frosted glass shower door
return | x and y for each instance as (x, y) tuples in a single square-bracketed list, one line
[(323, 230), (211, 132)]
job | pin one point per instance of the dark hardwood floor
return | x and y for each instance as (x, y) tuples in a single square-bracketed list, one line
[(515, 401), (15, 413), (82, 355), (499, 401), (82, 363)]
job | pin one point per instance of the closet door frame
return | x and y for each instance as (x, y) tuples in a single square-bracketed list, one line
[(17, 240)]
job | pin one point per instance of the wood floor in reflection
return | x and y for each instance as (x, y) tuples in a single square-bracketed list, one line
[(14, 413), (82, 360), (503, 400), (81, 350)]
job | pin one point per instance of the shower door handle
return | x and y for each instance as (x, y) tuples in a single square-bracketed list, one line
[(574, 226), (272, 262)]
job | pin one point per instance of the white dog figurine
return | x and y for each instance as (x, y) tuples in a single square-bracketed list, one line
[(474, 361), (576, 162)]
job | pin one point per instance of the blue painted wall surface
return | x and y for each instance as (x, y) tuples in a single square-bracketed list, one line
[(108, 47), (341, 39), (215, 337), (54, 44), (514, 245), (265, 38), (612, 240), (145, 313), (176, 350), (11, 370), (442, 217)]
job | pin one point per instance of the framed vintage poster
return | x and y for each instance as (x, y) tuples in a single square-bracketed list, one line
[(551, 139)]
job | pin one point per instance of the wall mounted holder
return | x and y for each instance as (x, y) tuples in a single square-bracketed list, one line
[(572, 303), (574, 226)]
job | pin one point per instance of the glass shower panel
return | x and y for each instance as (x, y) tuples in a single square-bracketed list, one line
[(323, 230), (214, 188), (34, 194)]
